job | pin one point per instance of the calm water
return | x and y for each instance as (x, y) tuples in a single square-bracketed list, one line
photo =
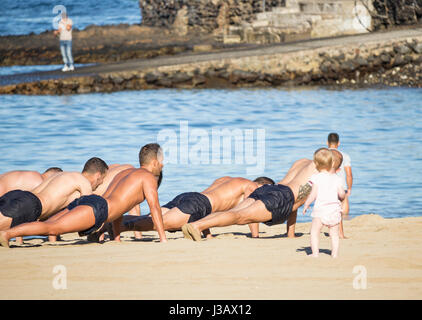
[(23, 17), (381, 130)]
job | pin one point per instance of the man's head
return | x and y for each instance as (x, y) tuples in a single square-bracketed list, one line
[(333, 140), (151, 158), (51, 172), (323, 159), (95, 169), (263, 180), (337, 159)]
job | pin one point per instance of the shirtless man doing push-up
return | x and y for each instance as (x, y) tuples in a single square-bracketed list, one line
[(51, 196), (88, 214)]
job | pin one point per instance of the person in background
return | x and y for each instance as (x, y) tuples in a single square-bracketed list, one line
[(65, 35), (345, 173), (24, 180)]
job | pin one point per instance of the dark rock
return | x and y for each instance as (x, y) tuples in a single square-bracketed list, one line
[(165, 82), (417, 48), (224, 74), (181, 77), (325, 66), (199, 80), (151, 78), (348, 65), (402, 49), (361, 62), (385, 58), (398, 60), (116, 79), (408, 59), (244, 76)]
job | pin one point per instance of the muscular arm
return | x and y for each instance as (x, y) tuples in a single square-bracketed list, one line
[(151, 195)]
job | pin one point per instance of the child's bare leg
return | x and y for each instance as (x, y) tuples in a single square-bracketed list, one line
[(335, 242), (315, 231)]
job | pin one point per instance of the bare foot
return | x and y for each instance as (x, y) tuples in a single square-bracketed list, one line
[(186, 233), (343, 237), (191, 232), (313, 256), (138, 235), (19, 240), (4, 242), (209, 236)]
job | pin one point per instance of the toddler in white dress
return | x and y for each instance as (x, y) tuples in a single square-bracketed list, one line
[(327, 191)]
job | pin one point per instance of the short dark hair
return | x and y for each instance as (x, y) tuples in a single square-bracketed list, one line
[(95, 165), (333, 138), (264, 180), (148, 153), (53, 169)]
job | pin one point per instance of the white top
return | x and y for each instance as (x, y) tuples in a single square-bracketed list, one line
[(342, 173), (64, 33), (327, 205)]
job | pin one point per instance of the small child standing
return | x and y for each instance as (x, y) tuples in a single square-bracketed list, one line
[(327, 191)]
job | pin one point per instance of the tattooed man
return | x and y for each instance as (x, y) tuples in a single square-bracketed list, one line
[(270, 204)]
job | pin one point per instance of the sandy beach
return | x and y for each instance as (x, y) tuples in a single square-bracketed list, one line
[(231, 266)]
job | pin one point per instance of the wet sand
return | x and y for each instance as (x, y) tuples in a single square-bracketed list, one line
[(231, 266)]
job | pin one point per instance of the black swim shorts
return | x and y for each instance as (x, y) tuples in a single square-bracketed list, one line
[(100, 207), (21, 206), (278, 200), (193, 203)]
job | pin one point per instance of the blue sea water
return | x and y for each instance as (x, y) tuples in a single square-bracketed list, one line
[(381, 130), (23, 17)]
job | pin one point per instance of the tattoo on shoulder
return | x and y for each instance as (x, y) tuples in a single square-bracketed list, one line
[(304, 191)]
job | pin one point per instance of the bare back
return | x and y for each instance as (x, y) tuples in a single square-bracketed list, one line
[(19, 180), (112, 172), (127, 190), (296, 167), (299, 183), (56, 192), (227, 192)]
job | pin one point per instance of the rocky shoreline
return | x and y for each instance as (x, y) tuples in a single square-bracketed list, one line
[(99, 44), (390, 63)]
